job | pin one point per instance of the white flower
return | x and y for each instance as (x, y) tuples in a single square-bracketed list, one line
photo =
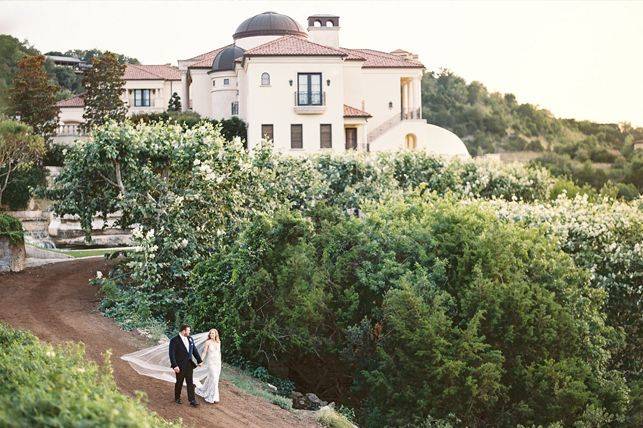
[(99, 274)]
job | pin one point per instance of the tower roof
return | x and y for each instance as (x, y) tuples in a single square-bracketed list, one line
[(269, 24)]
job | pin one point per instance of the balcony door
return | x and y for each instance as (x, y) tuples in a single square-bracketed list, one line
[(309, 89), (351, 138)]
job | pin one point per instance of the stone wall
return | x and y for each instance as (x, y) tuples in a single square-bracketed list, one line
[(12, 255)]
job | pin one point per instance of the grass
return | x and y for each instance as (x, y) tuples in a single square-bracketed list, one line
[(332, 419), (91, 252), (247, 383)]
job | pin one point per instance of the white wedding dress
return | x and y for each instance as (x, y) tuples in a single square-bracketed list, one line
[(210, 388)]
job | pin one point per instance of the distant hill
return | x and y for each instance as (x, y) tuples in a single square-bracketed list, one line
[(491, 122)]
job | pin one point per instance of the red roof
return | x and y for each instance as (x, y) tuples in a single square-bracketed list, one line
[(293, 46), (151, 72), (205, 60), (354, 112), (77, 101), (377, 59)]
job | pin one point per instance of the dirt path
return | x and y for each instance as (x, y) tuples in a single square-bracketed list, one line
[(56, 303)]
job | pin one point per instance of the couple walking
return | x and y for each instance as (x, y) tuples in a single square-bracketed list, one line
[(193, 360), (182, 352)]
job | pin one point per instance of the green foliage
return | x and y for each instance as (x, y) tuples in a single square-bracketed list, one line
[(19, 149), (104, 84), (55, 386), (22, 186), (10, 227), (88, 55), (415, 310), (33, 97), (175, 103), (230, 128), (11, 51), (55, 155)]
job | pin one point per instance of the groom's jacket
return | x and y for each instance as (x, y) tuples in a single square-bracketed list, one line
[(181, 357)]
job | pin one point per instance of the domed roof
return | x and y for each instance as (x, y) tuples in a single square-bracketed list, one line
[(268, 24), (224, 60)]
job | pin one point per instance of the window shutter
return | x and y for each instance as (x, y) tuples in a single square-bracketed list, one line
[(325, 136), (296, 137)]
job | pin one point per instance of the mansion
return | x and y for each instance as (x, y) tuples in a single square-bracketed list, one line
[(297, 87)]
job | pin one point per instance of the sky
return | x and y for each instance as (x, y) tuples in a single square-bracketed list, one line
[(578, 59)]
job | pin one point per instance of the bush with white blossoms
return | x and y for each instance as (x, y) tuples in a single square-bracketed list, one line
[(605, 237)]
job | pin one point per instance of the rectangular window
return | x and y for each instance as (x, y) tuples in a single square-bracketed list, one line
[(267, 132), (234, 108), (309, 89), (141, 97), (226, 82), (325, 136), (296, 137)]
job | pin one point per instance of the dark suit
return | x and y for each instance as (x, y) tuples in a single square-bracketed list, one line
[(182, 358)]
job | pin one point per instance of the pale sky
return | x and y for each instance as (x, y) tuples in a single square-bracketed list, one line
[(581, 59)]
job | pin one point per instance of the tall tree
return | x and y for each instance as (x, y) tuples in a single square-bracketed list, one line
[(175, 103), (104, 84), (19, 148), (33, 96), (11, 50)]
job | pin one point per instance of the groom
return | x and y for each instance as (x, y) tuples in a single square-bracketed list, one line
[(181, 351)]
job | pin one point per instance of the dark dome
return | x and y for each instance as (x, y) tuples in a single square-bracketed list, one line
[(224, 60), (268, 24)]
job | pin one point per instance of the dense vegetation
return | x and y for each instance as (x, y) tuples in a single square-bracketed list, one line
[(55, 386), (69, 82), (588, 152), (11, 228), (412, 288)]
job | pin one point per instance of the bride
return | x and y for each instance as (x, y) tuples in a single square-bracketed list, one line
[(155, 362), (212, 358)]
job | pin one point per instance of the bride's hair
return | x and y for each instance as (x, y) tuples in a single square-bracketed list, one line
[(216, 335)]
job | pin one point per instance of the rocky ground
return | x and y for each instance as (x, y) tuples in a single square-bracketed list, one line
[(56, 303)]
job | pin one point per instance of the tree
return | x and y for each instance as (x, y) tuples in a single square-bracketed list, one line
[(103, 89), (11, 50), (33, 96), (175, 103), (19, 148)]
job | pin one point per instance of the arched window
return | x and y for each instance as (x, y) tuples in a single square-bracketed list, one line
[(317, 23), (410, 142), (329, 23), (265, 79)]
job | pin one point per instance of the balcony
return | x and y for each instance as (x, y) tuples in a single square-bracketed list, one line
[(309, 102), (71, 130)]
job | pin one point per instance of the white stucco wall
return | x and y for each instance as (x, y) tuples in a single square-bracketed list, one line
[(159, 99), (222, 96), (200, 92), (275, 104), (430, 138), (70, 115)]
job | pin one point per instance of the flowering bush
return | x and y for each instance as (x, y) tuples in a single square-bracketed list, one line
[(605, 237)]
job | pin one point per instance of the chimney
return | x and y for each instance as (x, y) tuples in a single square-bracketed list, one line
[(324, 30)]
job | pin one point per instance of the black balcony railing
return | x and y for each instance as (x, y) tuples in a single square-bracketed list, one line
[(310, 98)]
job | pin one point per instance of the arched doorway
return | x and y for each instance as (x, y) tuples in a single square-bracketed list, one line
[(410, 142)]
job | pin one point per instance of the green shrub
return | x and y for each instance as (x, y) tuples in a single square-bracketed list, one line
[(55, 386), (414, 311), (11, 227), (23, 185), (55, 155)]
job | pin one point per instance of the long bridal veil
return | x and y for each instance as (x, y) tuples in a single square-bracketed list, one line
[(155, 361)]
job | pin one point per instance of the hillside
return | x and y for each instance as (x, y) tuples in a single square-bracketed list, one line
[(491, 122)]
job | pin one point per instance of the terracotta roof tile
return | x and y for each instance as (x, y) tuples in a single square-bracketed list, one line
[(354, 112), (151, 72), (293, 46), (77, 101), (205, 60), (377, 59)]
